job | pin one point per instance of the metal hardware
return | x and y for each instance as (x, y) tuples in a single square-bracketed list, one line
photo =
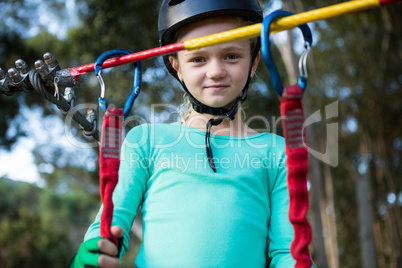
[(22, 66), (4, 81), (266, 52), (91, 117)]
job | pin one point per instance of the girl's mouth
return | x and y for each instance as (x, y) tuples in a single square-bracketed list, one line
[(217, 87)]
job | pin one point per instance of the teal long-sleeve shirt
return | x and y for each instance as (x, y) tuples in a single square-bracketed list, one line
[(193, 217)]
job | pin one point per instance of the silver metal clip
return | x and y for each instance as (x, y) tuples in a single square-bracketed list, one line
[(303, 60)]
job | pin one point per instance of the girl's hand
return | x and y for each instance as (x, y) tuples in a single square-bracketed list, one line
[(98, 252)]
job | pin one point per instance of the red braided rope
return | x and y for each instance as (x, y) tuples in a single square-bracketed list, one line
[(296, 151), (109, 162)]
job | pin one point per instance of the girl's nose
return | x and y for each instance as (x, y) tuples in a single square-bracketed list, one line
[(216, 70)]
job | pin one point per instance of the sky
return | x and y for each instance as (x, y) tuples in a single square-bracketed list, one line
[(51, 21), (19, 163), (48, 135)]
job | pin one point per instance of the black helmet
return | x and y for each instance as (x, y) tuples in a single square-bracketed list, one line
[(174, 14)]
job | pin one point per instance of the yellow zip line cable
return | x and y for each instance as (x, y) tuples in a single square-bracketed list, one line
[(247, 32), (282, 24)]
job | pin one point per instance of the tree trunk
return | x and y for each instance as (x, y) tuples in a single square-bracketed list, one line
[(331, 243), (378, 237), (364, 208), (366, 233)]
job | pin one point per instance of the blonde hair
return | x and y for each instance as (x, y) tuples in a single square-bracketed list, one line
[(185, 108)]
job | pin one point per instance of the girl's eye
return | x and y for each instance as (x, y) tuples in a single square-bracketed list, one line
[(198, 60), (232, 57)]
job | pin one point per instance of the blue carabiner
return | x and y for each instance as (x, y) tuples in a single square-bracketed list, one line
[(266, 52), (137, 80)]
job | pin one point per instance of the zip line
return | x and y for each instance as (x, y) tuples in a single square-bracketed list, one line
[(247, 32), (47, 77)]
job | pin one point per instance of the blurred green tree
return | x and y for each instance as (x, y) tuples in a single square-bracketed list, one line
[(38, 226), (356, 61)]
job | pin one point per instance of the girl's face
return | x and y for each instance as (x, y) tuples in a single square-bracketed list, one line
[(215, 75)]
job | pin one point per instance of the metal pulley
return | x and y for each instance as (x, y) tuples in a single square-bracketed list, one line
[(19, 77)]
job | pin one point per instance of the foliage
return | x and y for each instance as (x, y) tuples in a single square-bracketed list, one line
[(17, 19), (37, 225), (356, 62)]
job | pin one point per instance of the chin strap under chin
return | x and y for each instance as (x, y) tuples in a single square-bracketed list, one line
[(221, 112), (230, 115)]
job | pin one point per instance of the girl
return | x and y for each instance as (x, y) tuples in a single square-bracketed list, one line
[(212, 190)]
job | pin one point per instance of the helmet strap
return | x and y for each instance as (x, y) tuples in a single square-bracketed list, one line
[(221, 112), (202, 108)]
